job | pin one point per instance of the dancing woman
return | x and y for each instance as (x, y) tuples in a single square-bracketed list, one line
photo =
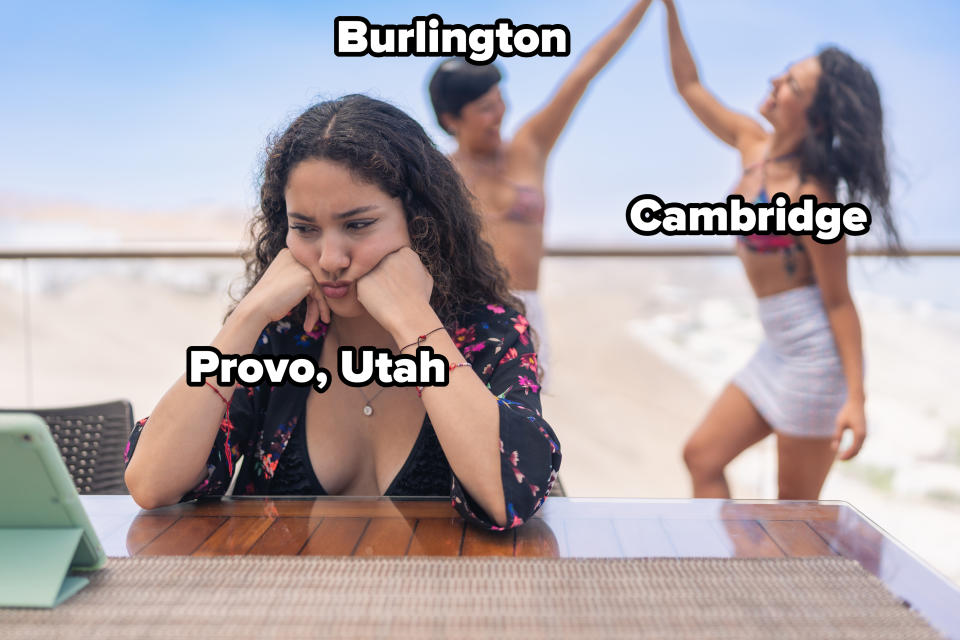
[(805, 382), (507, 177)]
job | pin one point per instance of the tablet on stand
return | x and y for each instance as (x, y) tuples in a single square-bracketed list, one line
[(44, 531)]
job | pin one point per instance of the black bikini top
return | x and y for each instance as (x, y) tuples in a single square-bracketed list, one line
[(426, 471)]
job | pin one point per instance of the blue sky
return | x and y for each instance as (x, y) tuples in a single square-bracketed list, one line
[(166, 105)]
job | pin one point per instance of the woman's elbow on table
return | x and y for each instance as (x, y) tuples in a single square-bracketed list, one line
[(149, 502), (144, 498), (146, 492), (142, 495)]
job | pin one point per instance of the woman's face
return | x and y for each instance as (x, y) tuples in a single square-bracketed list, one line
[(478, 126), (791, 95), (340, 228)]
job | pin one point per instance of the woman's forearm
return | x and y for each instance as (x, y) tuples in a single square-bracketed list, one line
[(174, 445), (544, 127), (845, 324), (466, 418), (681, 60), (603, 50)]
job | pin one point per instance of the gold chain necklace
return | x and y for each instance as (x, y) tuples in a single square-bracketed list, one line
[(367, 409)]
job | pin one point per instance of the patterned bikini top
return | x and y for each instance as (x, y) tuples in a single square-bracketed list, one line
[(768, 243), (529, 206)]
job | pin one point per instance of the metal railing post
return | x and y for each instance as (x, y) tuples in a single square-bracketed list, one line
[(27, 333)]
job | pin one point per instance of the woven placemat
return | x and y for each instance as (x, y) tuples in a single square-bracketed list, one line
[(290, 597)]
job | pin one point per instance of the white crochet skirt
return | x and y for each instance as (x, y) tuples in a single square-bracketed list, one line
[(795, 379)]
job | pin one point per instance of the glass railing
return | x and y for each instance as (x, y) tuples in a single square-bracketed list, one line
[(641, 341)]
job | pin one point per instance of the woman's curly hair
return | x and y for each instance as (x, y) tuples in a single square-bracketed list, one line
[(381, 145), (845, 144)]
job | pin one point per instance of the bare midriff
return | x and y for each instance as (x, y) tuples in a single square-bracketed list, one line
[(518, 247), (767, 274)]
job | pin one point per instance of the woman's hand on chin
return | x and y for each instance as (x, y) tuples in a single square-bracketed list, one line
[(396, 293), (283, 285)]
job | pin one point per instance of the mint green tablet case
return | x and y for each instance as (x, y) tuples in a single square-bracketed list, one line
[(44, 531)]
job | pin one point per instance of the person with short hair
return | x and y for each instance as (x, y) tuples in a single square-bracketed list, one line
[(507, 177)]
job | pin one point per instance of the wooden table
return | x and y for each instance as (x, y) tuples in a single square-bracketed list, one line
[(564, 527)]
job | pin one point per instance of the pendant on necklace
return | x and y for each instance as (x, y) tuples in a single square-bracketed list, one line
[(367, 410)]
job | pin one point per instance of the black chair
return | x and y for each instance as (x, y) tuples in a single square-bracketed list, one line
[(91, 440)]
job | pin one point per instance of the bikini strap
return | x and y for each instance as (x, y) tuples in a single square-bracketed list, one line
[(780, 158), (763, 163)]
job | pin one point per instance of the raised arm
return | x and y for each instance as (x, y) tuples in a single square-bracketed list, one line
[(736, 129), (541, 131)]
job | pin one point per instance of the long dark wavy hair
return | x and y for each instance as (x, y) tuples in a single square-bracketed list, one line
[(382, 145), (845, 145)]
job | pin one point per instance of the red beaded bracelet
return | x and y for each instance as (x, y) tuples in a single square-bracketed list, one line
[(452, 367), (217, 391), (421, 338), (225, 425)]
